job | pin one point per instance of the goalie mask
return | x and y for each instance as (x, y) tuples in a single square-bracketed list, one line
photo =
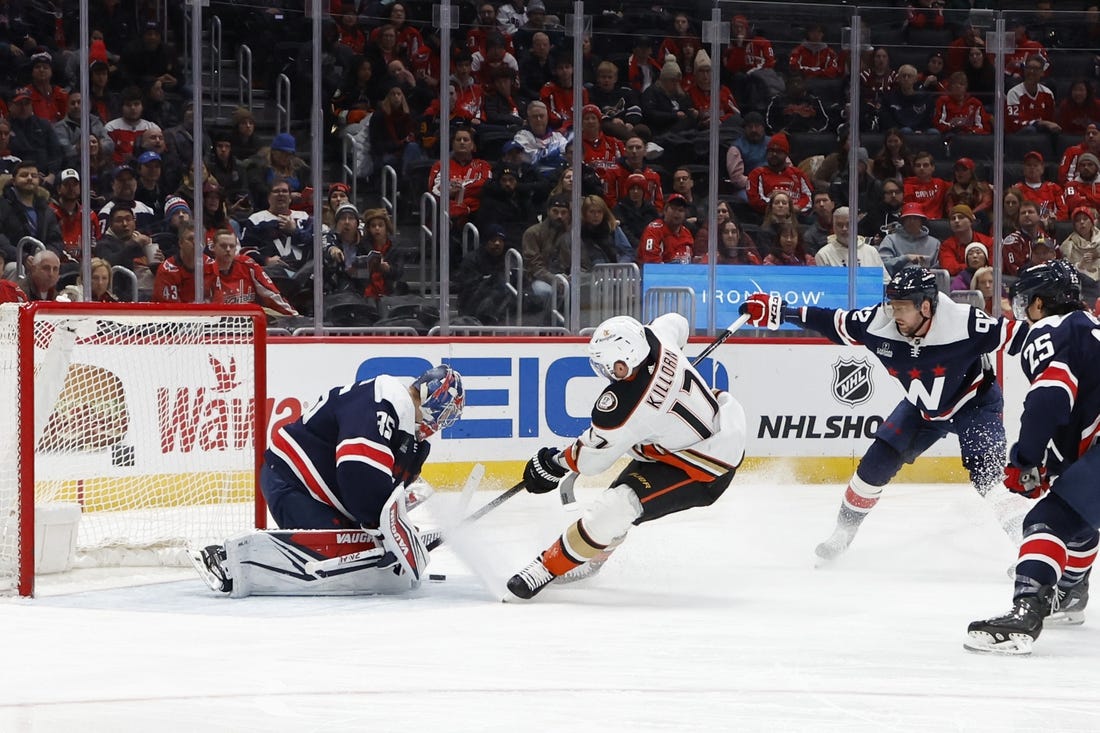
[(1055, 281), (617, 339), (441, 399)]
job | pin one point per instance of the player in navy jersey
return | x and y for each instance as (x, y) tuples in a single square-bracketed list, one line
[(337, 464), (937, 351), (1056, 458), (345, 464)]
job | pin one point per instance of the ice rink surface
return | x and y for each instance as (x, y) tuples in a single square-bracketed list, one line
[(711, 620)]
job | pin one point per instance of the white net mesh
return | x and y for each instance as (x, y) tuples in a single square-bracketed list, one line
[(146, 421)]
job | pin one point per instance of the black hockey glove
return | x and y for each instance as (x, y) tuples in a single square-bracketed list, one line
[(410, 458), (543, 472)]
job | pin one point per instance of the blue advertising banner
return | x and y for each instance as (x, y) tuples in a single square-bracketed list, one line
[(826, 287)]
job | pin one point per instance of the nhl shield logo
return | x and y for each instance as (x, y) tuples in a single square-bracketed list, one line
[(852, 381)]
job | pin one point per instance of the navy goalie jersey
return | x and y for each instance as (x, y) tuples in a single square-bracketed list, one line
[(352, 448), (940, 371), (1061, 418)]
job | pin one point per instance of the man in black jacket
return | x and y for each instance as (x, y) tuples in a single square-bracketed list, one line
[(23, 213)]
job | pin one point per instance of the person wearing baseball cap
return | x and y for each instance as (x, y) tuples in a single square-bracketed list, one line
[(961, 219), (546, 248), (1048, 195), (480, 280), (49, 101), (66, 206), (668, 239), (911, 244), (778, 173), (32, 138)]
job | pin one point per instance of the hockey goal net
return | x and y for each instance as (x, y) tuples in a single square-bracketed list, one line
[(141, 424)]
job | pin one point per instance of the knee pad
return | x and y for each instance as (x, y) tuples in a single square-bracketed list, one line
[(879, 464), (611, 515)]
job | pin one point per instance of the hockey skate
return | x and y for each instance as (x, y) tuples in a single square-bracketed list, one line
[(210, 564), (1014, 632), (1069, 605), (837, 543), (528, 582), (592, 567)]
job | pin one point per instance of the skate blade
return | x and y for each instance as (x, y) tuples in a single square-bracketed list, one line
[(983, 642), (824, 555), (1065, 618)]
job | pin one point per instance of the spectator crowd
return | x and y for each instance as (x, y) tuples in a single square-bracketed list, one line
[(926, 110)]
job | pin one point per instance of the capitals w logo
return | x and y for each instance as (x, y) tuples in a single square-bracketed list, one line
[(225, 374), (919, 395)]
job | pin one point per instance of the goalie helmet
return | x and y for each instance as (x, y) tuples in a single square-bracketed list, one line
[(441, 398), (621, 338), (915, 284), (1055, 281)]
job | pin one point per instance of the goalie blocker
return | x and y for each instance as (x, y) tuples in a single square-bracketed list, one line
[(316, 562)]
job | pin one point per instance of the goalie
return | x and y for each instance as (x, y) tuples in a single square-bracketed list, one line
[(686, 443), (342, 470)]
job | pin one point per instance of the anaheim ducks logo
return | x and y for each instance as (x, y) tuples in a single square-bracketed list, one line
[(607, 402)]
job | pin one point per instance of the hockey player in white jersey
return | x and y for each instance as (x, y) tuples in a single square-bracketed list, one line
[(685, 442)]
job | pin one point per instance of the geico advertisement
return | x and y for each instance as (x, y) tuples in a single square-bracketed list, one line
[(801, 399)]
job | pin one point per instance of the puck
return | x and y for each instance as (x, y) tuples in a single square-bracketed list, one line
[(436, 576)]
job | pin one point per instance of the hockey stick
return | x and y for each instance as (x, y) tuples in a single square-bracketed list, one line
[(741, 321)]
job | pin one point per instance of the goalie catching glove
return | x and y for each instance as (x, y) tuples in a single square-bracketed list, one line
[(409, 459), (764, 310), (544, 471), (1030, 482)]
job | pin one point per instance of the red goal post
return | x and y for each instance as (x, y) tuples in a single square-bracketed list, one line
[(139, 431)]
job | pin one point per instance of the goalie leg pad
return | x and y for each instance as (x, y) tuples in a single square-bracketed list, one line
[(312, 563), (401, 538)]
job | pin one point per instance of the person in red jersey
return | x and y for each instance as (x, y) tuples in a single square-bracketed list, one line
[(668, 239), (778, 173), (175, 279), (1048, 195), (924, 189), (238, 279), (1030, 105), (957, 111)]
